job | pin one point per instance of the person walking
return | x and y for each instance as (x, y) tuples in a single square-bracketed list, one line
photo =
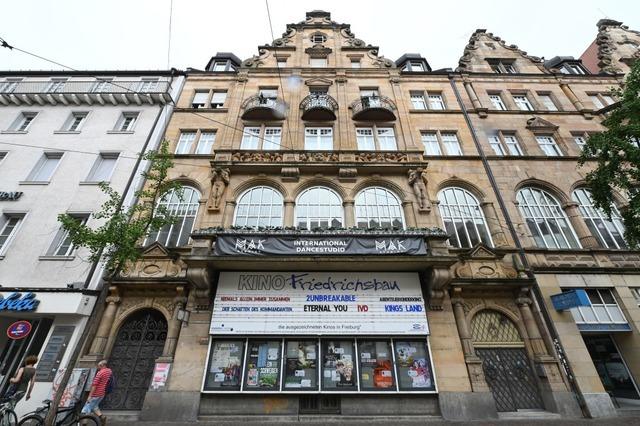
[(98, 391), (24, 379)]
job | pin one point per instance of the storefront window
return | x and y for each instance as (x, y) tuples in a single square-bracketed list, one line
[(338, 369), (376, 366), (262, 371), (225, 365), (413, 366), (301, 366)]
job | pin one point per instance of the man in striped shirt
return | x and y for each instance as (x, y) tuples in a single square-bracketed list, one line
[(98, 390)]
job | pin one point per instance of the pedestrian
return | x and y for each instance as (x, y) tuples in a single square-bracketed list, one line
[(24, 378), (98, 391)]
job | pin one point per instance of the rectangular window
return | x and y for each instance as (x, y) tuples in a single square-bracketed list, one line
[(9, 85), (512, 144), (597, 103), (355, 63), (549, 146), (603, 309), (608, 99), (522, 102), (200, 99), (74, 123), (45, 167), (250, 138), (219, 66), (577, 69), (205, 143), (451, 144), (318, 62), (103, 167), (272, 138), (413, 365), (22, 123), (148, 85), (224, 370), (547, 102), (262, 370), (56, 85), (3, 155), (502, 66), (418, 101), (301, 365), (430, 141), (62, 245), (496, 101), (636, 294), (9, 225), (269, 93), (127, 122), (364, 139), (318, 138), (376, 366), (436, 102), (386, 139), (185, 142), (494, 141), (281, 62), (218, 99), (580, 140), (338, 369), (365, 93)]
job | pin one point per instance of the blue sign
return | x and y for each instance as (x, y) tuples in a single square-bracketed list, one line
[(17, 302), (19, 330), (570, 299)]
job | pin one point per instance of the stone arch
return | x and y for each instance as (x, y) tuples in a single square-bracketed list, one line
[(479, 194), (122, 315), (319, 181), (187, 181), (619, 199), (370, 182), (510, 335), (259, 181), (552, 189), (490, 306)]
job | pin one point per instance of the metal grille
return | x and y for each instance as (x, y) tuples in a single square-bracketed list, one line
[(493, 327), (319, 404), (509, 376), (139, 342)]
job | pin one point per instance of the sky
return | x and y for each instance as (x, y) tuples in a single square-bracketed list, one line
[(134, 34)]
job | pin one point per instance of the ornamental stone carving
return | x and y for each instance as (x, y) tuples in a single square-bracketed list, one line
[(156, 262), (418, 182), (219, 183), (351, 40), (482, 263), (380, 157), (256, 157), (319, 157), (464, 63)]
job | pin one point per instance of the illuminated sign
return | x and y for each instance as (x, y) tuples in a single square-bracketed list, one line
[(18, 302)]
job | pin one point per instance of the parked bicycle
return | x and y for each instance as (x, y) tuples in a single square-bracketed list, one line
[(8, 417), (65, 416)]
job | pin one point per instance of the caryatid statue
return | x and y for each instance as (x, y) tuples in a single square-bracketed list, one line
[(418, 182)]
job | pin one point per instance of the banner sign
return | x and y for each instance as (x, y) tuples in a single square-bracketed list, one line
[(319, 303), (570, 299), (266, 245)]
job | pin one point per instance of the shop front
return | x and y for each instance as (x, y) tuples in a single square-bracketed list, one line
[(319, 342)]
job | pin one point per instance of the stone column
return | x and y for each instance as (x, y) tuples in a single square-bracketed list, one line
[(227, 216), (524, 305), (577, 222), (173, 327), (461, 323), (472, 94), (349, 213), (289, 216), (409, 214), (106, 323), (572, 97), (494, 224)]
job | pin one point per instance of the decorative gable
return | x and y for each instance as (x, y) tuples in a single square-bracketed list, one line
[(482, 262), (540, 124)]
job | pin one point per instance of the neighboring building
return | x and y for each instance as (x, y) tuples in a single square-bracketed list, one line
[(61, 133), (614, 49), (318, 178)]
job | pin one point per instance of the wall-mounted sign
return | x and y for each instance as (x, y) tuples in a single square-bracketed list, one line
[(10, 195), (53, 352), (19, 330), (312, 245), (570, 299), (160, 375), (319, 303), (19, 302)]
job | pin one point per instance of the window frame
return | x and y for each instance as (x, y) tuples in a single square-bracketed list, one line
[(37, 168), (542, 96), (506, 147), (110, 155), (376, 137), (61, 237), (124, 116), (258, 216), (502, 106), (181, 205), (10, 237), (377, 208), (442, 145), (323, 38), (73, 117), (317, 137), (261, 137), (502, 65), (527, 102), (314, 62), (23, 122), (590, 214), (579, 312), (464, 214), (318, 218), (551, 143)]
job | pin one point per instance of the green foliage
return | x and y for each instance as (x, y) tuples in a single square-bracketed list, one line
[(123, 227), (617, 153)]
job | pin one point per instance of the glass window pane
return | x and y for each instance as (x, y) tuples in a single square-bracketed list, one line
[(380, 206), (300, 365), (338, 370), (376, 366), (225, 365), (262, 369), (456, 204), (413, 366)]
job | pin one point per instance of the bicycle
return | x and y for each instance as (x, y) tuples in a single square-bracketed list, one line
[(67, 416), (8, 417)]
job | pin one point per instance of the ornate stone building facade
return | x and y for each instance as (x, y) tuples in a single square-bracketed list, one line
[(319, 171)]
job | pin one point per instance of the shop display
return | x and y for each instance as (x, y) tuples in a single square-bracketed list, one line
[(338, 371), (262, 371), (301, 368), (413, 366), (376, 366), (225, 365)]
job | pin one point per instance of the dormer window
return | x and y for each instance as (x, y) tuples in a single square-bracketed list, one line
[(413, 66), (573, 69), (318, 38), (222, 66), (502, 66)]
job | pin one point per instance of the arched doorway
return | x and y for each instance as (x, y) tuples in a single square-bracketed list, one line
[(139, 342), (505, 363)]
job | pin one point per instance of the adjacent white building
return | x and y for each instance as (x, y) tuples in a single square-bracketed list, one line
[(61, 134)]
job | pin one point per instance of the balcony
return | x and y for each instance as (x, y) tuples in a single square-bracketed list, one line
[(88, 92), (319, 108), (373, 108), (258, 107)]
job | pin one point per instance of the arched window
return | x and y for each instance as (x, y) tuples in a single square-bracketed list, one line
[(378, 207), (259, 206), (319, 207), (183, 205), (546, 221), (609, 232), (463, 218)]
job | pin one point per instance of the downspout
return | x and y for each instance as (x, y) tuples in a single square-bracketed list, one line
[(539, 299)]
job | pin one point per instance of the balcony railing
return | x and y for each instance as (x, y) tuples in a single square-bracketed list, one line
[(319, 108), (373, 108), (258, 107), (84, 92)]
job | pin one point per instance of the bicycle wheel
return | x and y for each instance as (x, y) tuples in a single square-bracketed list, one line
[(9, 418), (32, 420), (87, 420)]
